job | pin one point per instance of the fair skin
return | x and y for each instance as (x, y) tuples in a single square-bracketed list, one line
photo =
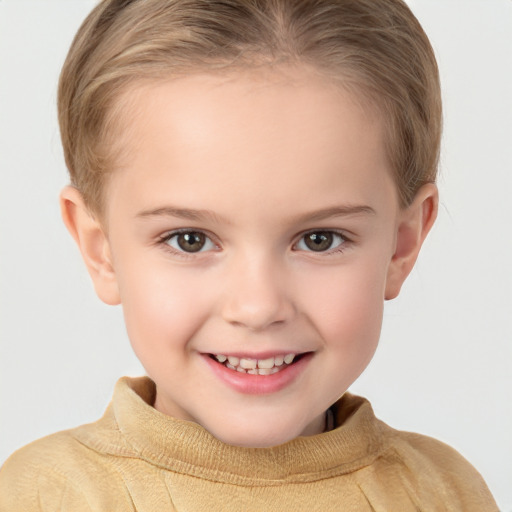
[(290, 238)]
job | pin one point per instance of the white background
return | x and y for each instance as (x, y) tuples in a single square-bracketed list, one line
[(444, 364)]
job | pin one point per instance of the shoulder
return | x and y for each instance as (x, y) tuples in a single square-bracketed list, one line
[(56, 472), (433, 466), (404, 467), (30, 471), (429, 452)]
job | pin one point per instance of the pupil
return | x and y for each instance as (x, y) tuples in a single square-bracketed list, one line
[(319, 241), (191, 242)]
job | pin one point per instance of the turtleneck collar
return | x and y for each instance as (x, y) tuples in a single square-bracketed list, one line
[(132, 427)]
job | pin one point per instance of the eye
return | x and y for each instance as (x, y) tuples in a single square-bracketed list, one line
[(189, 241), (320, 241)]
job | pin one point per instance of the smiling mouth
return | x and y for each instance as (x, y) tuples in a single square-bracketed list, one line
[(249, 366)]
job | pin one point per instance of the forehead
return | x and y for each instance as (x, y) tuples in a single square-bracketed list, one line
[(249, 132)]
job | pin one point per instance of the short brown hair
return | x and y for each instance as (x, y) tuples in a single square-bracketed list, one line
[(376, 47)]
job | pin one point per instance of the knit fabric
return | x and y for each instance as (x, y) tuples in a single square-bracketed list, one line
[(137, 459)]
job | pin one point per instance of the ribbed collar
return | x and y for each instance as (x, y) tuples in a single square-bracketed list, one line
[(132, 427)]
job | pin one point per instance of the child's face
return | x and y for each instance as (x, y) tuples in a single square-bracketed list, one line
[(253, 218)]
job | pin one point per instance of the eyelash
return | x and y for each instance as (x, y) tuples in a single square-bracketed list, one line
[(341, 247), (165, 238)]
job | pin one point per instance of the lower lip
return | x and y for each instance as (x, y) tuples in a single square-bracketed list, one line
[(259, 384)]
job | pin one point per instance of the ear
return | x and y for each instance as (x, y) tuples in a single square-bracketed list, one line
[(414, 223), (93, 243)]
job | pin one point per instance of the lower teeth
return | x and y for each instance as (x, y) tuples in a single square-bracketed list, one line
[(256, 371)]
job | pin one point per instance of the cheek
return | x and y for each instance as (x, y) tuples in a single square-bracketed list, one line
[(163, 306), (346, 307)]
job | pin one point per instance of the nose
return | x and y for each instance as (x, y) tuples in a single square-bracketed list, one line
[(257, 296)]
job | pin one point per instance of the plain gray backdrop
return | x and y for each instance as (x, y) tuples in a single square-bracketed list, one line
[(444, 364)]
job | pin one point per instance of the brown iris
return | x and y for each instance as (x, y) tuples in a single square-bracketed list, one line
[(191, 241), (319, 240)]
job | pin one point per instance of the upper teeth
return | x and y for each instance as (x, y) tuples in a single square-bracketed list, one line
[(252, 364)]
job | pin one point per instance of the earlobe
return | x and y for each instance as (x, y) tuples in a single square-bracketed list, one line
[(413, 227), (93, 243)]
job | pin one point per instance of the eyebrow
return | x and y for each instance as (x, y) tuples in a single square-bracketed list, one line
[(337, 211), (201, 215), (181, 213)]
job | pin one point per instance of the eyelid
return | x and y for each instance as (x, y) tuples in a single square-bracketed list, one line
[(164, 238), (339, 248)]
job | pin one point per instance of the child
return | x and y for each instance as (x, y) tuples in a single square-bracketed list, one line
[(250, 180)]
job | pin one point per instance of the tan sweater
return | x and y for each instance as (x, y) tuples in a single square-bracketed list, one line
[(136, 458)]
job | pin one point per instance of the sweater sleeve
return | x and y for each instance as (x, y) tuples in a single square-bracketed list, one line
[(438, 466), (29, 484)]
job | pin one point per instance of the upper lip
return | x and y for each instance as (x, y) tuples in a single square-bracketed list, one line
[(258, 355)]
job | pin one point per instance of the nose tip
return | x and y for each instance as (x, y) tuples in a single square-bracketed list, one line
[(254, 318), (258, 301)]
